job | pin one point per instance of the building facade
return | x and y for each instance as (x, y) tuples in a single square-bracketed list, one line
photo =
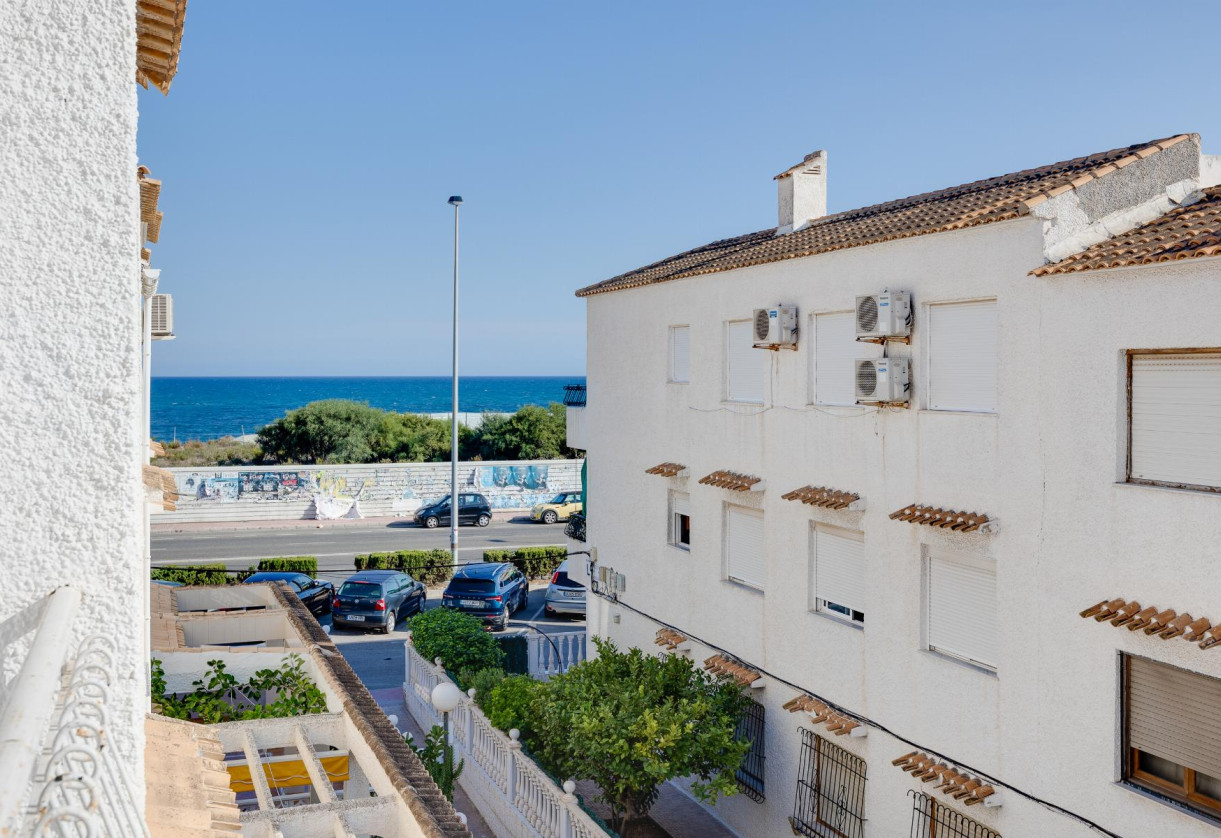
[(898, 583)]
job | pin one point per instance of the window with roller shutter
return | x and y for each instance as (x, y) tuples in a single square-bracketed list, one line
[(680, 354), (680, 520), (962, 356), (835, 351), (744, 546), (839, 573), (745, 366), (1175, 419), (962, 608), (1172, 727)]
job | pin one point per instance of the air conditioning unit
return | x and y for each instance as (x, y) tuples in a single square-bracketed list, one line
[(885, 315), (775, 327), (162, 313), (882, 381)]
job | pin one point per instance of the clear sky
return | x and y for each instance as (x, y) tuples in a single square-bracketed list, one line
[(307, 149)]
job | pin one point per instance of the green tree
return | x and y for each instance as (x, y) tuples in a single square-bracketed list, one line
[(330, 431), (457, 639), (415, 438), (630, 721), (532, 433)]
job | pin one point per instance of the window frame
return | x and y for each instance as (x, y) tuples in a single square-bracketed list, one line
[(970, 560), (674, 523), (928, 356), (671, 377), (727, 353), (820, 605)]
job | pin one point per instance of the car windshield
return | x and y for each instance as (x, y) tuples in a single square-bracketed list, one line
[(471, 586), (364, 590), (559, 499), (442, 502)]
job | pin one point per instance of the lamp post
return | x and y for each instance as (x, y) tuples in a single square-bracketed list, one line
[(445, 697), (455, 201)]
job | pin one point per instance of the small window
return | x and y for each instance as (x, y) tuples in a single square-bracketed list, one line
[(839, 573), (680, 520), (1172, 724), (835, 353), (750, 772), (680, 354), (830, 790), (746, 367), (744, 546), (962, 356), (1175, 408), (962, 607)]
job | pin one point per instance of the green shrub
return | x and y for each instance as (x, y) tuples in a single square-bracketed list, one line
[(537, 562), (457, 639), (202, 574), (483, 680), (431, 567), (498, 555), (297, 564), (220, 697), (517, 653), (513, 703)]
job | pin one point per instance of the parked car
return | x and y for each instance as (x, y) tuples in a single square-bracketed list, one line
[(489, 590), (565, 595), (377, 599), (316, 594), (473, 508), (560, 508)]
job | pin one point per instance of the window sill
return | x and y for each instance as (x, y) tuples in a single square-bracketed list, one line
[(738, 584), (1170, 487), (736, 403), (963, 662), (842, 621), (936, 411), (676, 381), (683, 548), (1178, 806)]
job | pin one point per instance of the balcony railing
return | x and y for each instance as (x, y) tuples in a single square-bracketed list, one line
[(575, 528), (574, 395)]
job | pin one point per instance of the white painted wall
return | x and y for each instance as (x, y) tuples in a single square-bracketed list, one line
[(71, 503), (1046, 465)]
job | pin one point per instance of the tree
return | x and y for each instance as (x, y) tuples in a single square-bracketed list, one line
[(630, 721), (532, 433), (333, 430), (458, 639)]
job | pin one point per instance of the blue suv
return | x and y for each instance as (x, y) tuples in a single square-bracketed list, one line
[(489, 591)]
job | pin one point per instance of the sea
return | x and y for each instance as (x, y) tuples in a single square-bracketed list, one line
[(207, 408)]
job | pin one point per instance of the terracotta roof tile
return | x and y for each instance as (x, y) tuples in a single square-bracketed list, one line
[(946, 519), (950, 781), (1166, 624), (669, 638), (1187, 232), (666, 469), (724, 667), (731, 480), (822, 496), (971, 204), (822, 714), (158, 41)]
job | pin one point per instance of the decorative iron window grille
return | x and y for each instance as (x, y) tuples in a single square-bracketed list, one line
[(931, 819), (830, 791), (750, 772), (574, 395), (575, 529)]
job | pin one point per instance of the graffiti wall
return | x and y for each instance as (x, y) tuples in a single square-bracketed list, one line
[(236, 494)]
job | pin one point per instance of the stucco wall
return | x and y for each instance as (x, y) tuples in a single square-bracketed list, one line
[(70, 501), (1045, 465)]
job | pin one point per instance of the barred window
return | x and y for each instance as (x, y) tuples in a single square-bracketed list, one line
[(750, 772), (931, 819), (830, 791)]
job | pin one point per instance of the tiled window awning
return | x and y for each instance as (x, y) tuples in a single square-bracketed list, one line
[(158, 41), (1164, 623), (727, 668), (951, 782), (733, 481), (666, 469), (160, 487), (669, 638), (836, 723), (946, 519), (824, 497), (150, 194)]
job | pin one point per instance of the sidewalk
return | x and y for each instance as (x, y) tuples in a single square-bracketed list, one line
[(310, 524)]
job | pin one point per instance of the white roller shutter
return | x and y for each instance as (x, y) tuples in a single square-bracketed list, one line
[(744, 545), (962, 357), (746, 366), (835, 350), (839, 568), (1175, 715), (680, 354), (1176, 418), (962, 608), (680, 504)]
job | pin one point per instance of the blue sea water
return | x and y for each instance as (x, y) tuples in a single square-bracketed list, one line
[(206, 408)]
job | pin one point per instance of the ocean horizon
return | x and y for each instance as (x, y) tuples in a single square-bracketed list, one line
[(208, 407)]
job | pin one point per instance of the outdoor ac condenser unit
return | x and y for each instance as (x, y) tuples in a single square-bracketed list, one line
[(885, 315), (162, 310), (882, 381), (776, 327)]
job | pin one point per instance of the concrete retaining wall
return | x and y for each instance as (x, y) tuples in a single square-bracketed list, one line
[(277, 493)]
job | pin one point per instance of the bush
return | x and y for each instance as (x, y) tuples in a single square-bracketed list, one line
[(457, 639), (483, 680), (431, 567), (203, 574), (534, 562), (297, 564), (220, 697), (517, 653), (513, 703)]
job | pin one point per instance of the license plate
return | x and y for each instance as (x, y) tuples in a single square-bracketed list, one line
[(355, 618), (471, 603), (572, 594)]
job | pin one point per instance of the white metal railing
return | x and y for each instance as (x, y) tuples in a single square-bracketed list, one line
[(553, 654), (504, 783)]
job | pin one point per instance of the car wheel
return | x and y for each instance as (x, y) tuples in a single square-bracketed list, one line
[(389, 629), (549, 611), (431, 522), (549, 517), (484, 519)]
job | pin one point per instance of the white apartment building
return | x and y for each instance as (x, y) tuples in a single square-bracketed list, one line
[(896, 569)]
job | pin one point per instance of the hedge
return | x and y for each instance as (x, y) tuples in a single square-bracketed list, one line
[(428, 566), (297, 564), (203, 574), (535, 562)]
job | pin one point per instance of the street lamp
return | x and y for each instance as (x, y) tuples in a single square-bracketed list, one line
[(455, 201), (445, 697)]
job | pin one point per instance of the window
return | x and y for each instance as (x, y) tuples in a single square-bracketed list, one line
[(750, 772), (680, 354), (680, 520), (962, 607), (962, 357), (1172, 726), (744, 546), (835, 351), (830, 791), (1175, 408), (745, 366), (839, 573), (931, 819)]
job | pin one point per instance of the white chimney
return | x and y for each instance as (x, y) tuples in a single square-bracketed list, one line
[(802, 193)]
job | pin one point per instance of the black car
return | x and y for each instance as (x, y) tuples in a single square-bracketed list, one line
[(488, 590), (315, 593), (473, 508), (377, 599)]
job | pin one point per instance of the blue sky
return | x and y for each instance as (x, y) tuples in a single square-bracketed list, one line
[(307, 150)]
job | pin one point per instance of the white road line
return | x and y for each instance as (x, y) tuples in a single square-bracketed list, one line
[(534, 616)]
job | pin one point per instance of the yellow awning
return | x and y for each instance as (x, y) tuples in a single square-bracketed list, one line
[(287, 773)]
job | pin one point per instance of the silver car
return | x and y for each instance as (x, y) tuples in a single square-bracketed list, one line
[(564, 595)]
